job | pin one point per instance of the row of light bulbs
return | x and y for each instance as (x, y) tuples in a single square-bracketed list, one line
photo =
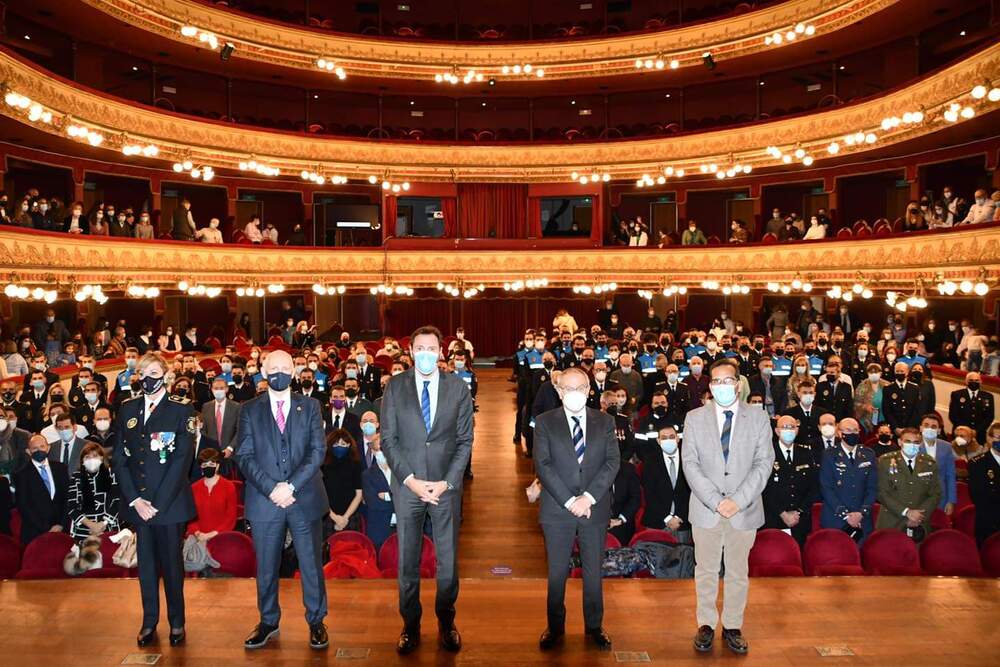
[(656, 63), (205, 172), (950, 287), (527, 69), (140, 292), (199, 290), (259, 167), (84, 133), (531, 283), (320, 179), (389, 185), (797, 284), (800, 30), (594, 177), (896, 300), (203, 36), (93, 292), (36, 112), (149, 150), (328, 65), (328, 290), (15, 291), (595, 289), (260, 291), (849, 293), (452, 77), (385, 288), (454, 290)]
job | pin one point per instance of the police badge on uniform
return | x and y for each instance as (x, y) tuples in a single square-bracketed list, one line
[(132, 422), (191, 425)]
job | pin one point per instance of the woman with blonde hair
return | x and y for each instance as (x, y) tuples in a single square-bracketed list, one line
[(800, 372), (965, 444)]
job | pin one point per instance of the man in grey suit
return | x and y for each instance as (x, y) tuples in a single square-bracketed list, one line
[(222, 431), (576, 458), (67, 448), (427, 440), (726, 458), (280, 450)]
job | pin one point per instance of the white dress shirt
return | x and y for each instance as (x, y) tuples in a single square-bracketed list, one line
[(285, 397), (582, 416), (787, 452), (721, 417), (337, 413), (154, 400), (676, 459)]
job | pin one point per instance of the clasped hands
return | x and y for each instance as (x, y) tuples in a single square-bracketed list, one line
[(145, 509), (428, 492), (282, 495), (580, 507), (727, 508)]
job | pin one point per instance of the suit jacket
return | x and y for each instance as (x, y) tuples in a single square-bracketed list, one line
[(378, 512), (72, 461), (259, 447), (900, 489), (984, 488), (945, 459), (563, 477), (899, 406), (626, 498), (741, 479), (180, 227), (808, 426), (848, 487), (839, 400), (360, 407), (779, 391), (39, 511), (350, 423), (371, 381), (230, 420), (660, 495), (441, 454), (792, 487), (976, 413)]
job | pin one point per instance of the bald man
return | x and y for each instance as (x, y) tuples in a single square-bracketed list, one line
[(280, 448), (576, 459), (793, 486)]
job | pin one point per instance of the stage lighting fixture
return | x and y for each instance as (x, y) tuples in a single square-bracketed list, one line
[(227, 51), (708, 60)]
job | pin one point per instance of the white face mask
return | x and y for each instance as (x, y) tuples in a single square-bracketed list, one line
[(828, 430), (102, 424), (92, 464), (3, 424), (574, 400), (600, 376)]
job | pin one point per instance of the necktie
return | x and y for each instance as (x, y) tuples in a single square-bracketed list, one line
[(44, 472), (672, 470), (851, 456), (336, 422), (425, 405), (218, 422), (578, 444), (909, 463), (726, 431), (368, 454), (788, 457), (280, 416)]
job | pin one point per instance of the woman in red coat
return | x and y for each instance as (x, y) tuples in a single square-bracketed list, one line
[(214, 499)]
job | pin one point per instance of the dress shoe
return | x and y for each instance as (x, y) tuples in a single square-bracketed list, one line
[(318, 638), (408, 642), (145, 637), (177, 637), (735, 641), (260, 636), (550, 638), (703, 640), (600, 638), (450, 640)]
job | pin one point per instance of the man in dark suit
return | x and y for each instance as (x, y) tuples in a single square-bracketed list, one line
[(834, 395), (92, 401), (369, 377), (40, 496), (335, 415), (577, 460), (280, 448), (34, 398), (666, 490), (426, 420), (356, 403), (772, 388), (805, 412), (678, 396), (793, 485), (900, 400), (49, 329), (308, 388), (151, 463), (972, 406), (182, 223), (222, 432), (984, 487), (626, 498), (66, 449)]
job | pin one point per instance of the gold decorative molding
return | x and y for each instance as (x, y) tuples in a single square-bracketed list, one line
[(895, 262), (287, 45), (223, 145)]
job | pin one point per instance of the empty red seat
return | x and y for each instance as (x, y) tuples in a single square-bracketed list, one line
[(10, 557), (235, 554), (845, 233), (43, 557), (962, 490), (652, 535), (940, 520), (769, 238), (831, 553), (388, 558), (964, 520), (775, 554), (990, 555), (890, 552), (950, 553), (354, 537)]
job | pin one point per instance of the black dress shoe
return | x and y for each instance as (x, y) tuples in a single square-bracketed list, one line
[(703, 640), (145, 637), (450, 640), (260, 636), (735, 641), (600, 638), (318, 639), (177, 637), (408, 642), (550, 638)]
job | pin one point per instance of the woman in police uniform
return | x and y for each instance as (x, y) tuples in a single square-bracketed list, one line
[(154, 452)]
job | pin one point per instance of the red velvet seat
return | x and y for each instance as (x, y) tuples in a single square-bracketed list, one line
[(950, 553), (990, 555), (235, 554), (108, 569), (817, 512), (845, 233), (775, 554), (940, 520), (10, 557), (890, 553), (354, 537), (388, 558), (831, 553), (652, 535), (963, 498), (43, 557), (769, 238), (964, 520)]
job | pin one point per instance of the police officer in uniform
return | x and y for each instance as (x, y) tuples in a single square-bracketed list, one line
[(151, 462), (623, 425), (900, 400), (793, 485), (972, 406), (908, 487), (834, 395), (984, 486), (521, 379), (848, 481), (660, 416)]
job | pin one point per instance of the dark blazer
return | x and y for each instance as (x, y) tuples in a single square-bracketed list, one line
[(976, 413), (839, 400), (180, 229), (39, 511), (442, 454), (808, 426), (563, 477), (72, 461), (678, 401), (899, 406), (779, 391), (230, 420), (626, 497), (371, 381), (792, 487), (137, 466), (378, 512), (351, 423), (658, 492), (258, 454), (984, 487)]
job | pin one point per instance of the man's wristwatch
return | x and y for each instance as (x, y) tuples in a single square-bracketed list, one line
[(450, 487)]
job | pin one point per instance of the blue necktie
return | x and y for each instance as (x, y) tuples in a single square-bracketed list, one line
[(44, 472), (425, 405), (578, 444), (726, 430)]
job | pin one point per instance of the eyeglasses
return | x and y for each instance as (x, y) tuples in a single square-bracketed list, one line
[(582, 388), (728, 381)]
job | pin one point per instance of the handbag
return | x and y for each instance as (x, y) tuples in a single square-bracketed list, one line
[(125, 555)]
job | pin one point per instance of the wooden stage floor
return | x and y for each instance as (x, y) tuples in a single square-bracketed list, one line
[(884, 621)]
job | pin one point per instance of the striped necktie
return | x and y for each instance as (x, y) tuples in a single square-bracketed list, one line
[(425, 405), (578, 444), (727, 429)]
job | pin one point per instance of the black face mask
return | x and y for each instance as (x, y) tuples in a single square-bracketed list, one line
[(727, 346), (39, 456), (885, 438), (237, 379), (779, 353), (548, 365), (744, 348), (694, 340), (208, 472), (973, 385), (758, 346), (151, 385), (307, 384), (279, 381), (660, 411), (900, 377), (350, 393), (8, 396), (916, 376), (612, 410), (587, 362), (181, 392)]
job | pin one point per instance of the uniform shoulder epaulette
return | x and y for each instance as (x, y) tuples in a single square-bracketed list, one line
[(978, 456), (131, 398), (178, 399)]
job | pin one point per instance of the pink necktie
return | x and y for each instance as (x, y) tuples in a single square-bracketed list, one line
[(280, 417), (218, 422)]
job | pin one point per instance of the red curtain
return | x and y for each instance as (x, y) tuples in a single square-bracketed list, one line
[(493, 210), (535, 218), (450, 213), (388, 217)]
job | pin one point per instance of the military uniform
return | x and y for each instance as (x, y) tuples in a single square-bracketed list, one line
[(974, 409), (900, 489), (847, 486), (792, 486), (899, 405), (984, 487), (151, 461), (835, 398)]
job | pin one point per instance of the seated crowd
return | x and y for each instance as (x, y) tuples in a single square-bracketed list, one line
[(852, 406)]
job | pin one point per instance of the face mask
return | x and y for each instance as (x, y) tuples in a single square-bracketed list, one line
[(306, 384), (874, 377), (237, 379), (226, 367), (929, 434), (102, 424), (668, 445), (181, 392), (548, 365), (626, 369), (38, 385), (151, 385), (884, 438), (801, 370), (252, 370), (3, 424), (807, 400), (369, 428), (960, 441), (130, 364), (765, 372), (787, 435), (600, 376), (39, 456), (574, 400), (696, 369), (362, 359), (219, 394), (672, 377), (614, 355), (279, 381), (351, 373), (380, 459), (40, 366), (459, 364), (91, 397), (351, 393), (852, 439), (8, 396), (712, 346), (973, 385), (828, 430), (916, 376), (862, 354), (66, 434), (339, 452), (724, 394), (900, 377), (92, 465), (540, 345), (910, 449), (208, 471), (338, 403), (890, 358), (425, 361)]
